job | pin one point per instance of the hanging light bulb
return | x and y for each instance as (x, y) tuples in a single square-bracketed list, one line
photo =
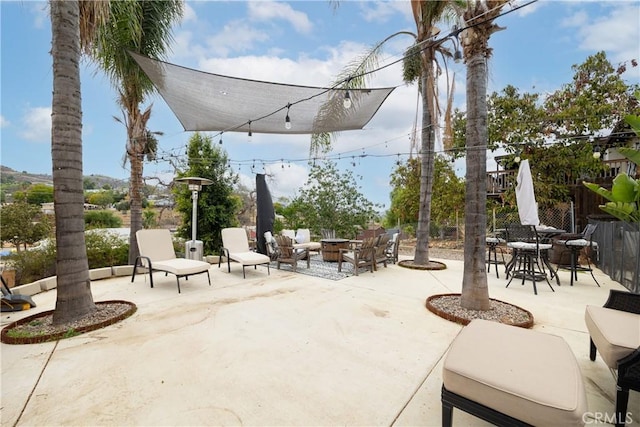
[(517, 158), (457, 56), (596, 152), (287, 120), (347, 100), (250, 134)]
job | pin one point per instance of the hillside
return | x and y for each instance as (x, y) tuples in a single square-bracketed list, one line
[(11, 176)]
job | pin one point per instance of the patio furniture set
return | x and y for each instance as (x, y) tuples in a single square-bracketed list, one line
[(366, 253), (529, 247), (538, 380)]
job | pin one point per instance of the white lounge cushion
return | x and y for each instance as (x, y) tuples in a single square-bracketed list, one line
[(528, 375), (181, 266), (312, 246), (249, 258), (615, 333)]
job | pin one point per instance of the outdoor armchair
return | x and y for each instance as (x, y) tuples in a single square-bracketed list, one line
[(614, 332), (157, 253), (361, 256), (381, 250), (288, 254), (392, 248), (575, 246), (235, 247)]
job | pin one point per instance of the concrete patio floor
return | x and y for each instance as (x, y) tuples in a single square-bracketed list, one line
[(284, 349)]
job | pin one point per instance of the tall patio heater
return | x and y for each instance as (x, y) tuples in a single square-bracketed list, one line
[(194, 248)]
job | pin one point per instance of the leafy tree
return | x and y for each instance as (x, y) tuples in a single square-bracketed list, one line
[(216, 205), (101, 198), (149, 218), (448, 192), (102, 219), (72, 27), (143, 27), (23, 224), (88, 184), (330, 200), (39, 193), (597, 99)]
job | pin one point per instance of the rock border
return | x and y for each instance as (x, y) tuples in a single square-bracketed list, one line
[(433, 265), (463, 321), (6, 339)]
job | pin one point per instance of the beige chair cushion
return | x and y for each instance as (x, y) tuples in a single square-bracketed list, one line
[(528, 375), (249, 258), (615, 333), (312, 246), (181, 266)]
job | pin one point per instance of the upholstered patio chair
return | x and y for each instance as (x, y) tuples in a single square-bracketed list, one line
[(393, 247), (614, 332), (288, 254), (235, 247), (157, 254)]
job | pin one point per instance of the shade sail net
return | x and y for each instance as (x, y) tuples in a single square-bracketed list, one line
[(210, 102)]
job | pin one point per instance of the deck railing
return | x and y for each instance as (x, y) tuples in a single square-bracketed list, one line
[(499, 181)]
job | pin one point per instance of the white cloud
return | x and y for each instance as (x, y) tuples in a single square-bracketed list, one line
[(577, 20), (381, 12), (40, 11), (267, 11), (235, 36), (36, 124), (4, 122), (617, 33), (189, 14)]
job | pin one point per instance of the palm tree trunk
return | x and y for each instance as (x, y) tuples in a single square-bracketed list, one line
[(427, 146), (475, 293), (74, 298), (135, 197)]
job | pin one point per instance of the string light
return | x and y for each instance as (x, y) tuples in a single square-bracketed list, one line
[(347, 100), (287, 120)]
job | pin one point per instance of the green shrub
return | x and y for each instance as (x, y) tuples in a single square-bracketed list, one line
[(34, 264), (103, 250), (101, 219), (106, 249)]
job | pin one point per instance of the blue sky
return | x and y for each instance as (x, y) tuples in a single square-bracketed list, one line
[(300, 42)]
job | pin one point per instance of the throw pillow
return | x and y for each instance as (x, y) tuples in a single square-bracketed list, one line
[(300, 238)]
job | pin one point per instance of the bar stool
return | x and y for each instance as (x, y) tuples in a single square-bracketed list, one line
[(576, 246), (527, 261), (493, 245)]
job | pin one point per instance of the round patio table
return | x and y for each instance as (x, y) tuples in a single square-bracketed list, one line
[(331, 248)]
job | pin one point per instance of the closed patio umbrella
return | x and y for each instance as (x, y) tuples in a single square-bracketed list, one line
[(525, 196), (265, 213)]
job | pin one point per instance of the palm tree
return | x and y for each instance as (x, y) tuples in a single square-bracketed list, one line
[(478, 17), (72, 25), (143, 27), (426, 14), (418, 65)]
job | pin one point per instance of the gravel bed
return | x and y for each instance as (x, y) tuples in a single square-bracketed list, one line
[(44, 325), (500, 311)]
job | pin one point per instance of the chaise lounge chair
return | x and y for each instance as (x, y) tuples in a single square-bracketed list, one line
[(157, 253), (235, 247)]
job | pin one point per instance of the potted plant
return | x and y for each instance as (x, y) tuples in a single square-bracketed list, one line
[(624, 200)]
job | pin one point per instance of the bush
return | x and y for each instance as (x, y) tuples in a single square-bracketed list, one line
[(33, 264), (106, 249), (102, 219), (103, 250)]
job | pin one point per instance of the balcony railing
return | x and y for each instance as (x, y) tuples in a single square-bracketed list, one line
[(500, 181)]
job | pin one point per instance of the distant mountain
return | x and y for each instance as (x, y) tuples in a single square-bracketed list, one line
[(11, 176)]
